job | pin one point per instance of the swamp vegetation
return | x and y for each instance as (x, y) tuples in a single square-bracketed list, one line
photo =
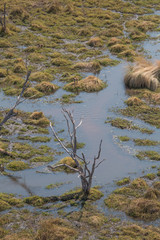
[(72, 48)]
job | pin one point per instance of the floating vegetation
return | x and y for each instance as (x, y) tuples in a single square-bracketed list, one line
[(152, 155), (146, 113), (126, 124), (124, 181), (124, 138), (17, 165), (145, 142)]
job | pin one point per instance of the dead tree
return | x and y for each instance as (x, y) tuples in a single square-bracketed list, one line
[(82, 165), (19, 101), (3, 19)]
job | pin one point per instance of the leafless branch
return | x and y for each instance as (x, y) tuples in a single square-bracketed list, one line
[(99, 163), (63, 165), (63, 146), (79, 124), (99, 151), (11, 111), (86, 175)]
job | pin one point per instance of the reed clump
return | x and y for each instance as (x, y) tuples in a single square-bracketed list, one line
[(46, 87), (143, 74), (88, 84)]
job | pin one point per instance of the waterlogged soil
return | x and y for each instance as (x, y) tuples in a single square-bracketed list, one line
[(64, 43)]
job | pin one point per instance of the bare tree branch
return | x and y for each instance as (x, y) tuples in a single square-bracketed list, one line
[(79, 124), (99, 152), (99, 163), (63, 165), (63, 146), (86, 175), (11, 111)]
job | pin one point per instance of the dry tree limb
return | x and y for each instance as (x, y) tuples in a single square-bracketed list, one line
[(85, 174), (19, 101), (63, 165)]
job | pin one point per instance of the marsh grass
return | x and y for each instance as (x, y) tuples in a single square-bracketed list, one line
[(143, 75), (46, 87), (137, 200), (88, 84)]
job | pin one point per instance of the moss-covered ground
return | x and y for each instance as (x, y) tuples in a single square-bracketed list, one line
[(68, 36), (59, 41), (17, 138), (139, 199)]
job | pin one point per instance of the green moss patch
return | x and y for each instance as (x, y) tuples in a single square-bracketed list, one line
[(124, 181), (133, 231), (137, 200), (17, 165), (152, 155), (54, 185), (38, 119), (145, 142), (150, 176), (126, 124), (34, 200), (35, 139), (42, 159), (8, 200), (94, 194), (31, 92), (146, 113), (79, 145), (41, 76), (124, 138), (69, 161)]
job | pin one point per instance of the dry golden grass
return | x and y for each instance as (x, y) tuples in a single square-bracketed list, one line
[(134, 101), (46, 87), (143, 75), (88, 66), (37, 115), (144, 208), (88, 84), (55, 229), (95, 42)]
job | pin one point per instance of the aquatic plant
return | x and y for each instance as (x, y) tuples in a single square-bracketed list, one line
[(17, 165), (46, 87), (88, 84), (143, 75)]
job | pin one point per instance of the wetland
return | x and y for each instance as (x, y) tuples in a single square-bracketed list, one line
[(78, 53)]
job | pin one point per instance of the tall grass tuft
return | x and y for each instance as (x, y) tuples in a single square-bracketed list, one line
[(143, 74)]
